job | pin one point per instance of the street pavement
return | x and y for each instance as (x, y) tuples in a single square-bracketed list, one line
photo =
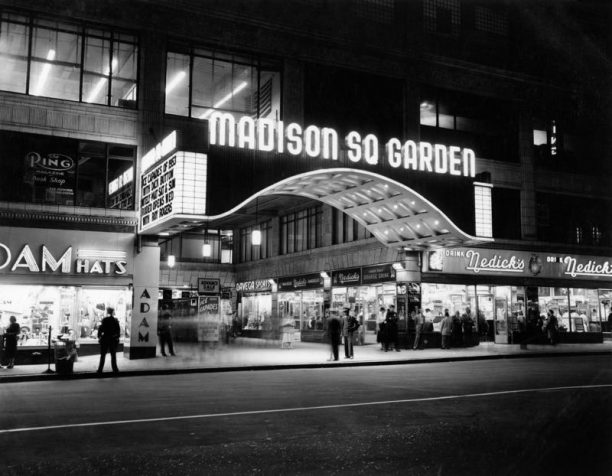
[(259, 354)]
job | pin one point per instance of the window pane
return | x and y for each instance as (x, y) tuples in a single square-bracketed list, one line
[(124, 74), (177, 84), (222, 85), (91, 181), (13, 56), (96, 70), (55, 64), (428, 112)]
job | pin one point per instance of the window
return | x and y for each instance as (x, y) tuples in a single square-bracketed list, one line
[(507, 220), (442, 16), (188, 247), (301, 231), (486, 125), (379, 11), (251, 252), (346, 230), (60, 171), (66, 61), (577, 310), (491, 21), (200, 82)]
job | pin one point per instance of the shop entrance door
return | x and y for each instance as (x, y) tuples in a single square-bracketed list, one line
[(501, 321)]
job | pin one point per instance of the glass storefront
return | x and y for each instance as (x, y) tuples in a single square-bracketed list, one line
[(304, 308), (68, 310), (255, 311), (577, 309), (365, 302)]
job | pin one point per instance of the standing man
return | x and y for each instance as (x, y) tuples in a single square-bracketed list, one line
[(108, 336), (391, 326), (164, 332), (419, 320), (446, 329), (10, 341), (348, 327), (382, 332), (334, 328), (468, 324)]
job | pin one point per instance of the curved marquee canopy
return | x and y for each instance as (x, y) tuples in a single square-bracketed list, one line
[(394, 213)]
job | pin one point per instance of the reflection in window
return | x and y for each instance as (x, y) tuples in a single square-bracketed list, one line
[(200, 83), (67, 61)]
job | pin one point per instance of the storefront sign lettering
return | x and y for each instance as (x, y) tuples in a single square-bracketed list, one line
[(497, 263), (590, 268), (307, 281), (267, 135), (114, 263), (347, 276), (377, 274), (257, 285)]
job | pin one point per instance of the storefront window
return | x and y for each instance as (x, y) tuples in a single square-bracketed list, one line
[(578, 310), (74, 312), (256, 311), (61, 171), (104, 73), (201, 82), (305, 308)]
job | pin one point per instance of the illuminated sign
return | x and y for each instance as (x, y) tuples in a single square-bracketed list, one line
[(121, 181), (257, 285), (173, 188), (503, 262), (168, 145), (208, 286), (102, 262), (307, 281), (267, 135)]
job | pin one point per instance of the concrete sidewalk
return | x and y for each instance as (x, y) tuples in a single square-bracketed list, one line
[(256, 354)]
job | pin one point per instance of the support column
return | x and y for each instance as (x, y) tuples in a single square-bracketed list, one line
[(143, 327)]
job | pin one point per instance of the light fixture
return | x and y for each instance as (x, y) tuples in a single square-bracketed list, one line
[(100, 84), (256, 233), (44, 73), (324, 275), (206, 246), (224, 99), (398, 266), (174, 82), (171, 257)]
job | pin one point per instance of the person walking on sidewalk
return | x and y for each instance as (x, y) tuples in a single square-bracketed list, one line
[(10, 341), (391, 327), (108, 336), (164, 332), (419, 320), (551, 326), (446, 329), (334, 329)]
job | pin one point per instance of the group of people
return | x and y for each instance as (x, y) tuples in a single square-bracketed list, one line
[(387, 333), (338, 328)]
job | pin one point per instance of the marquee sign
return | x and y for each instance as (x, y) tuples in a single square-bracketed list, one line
[(307, 281), (484, 262), (268, 135), (172, 186)]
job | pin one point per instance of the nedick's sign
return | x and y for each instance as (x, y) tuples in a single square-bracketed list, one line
[(268, 135)]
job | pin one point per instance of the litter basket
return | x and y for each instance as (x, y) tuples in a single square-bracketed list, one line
[(65, 355)]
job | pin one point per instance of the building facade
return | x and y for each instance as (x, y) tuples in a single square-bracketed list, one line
[(434, 155)]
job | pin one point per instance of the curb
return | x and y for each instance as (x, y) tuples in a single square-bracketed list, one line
[(255, 368)]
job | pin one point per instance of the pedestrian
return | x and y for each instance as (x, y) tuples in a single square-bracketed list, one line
[(552, 326), (468, 324), (381, 336), (334, 328), (164, 332), (10, 341), (108, 336), (446, 329), (457, 331), (349, 326), (391, 327), (419, 320), (610, 322)]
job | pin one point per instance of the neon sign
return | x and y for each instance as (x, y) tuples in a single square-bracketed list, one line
[(267, 135)]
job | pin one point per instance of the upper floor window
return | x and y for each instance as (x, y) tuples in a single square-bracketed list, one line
[(62, 171), (66, 61), (491, 20), (252, 252), (201, 82), (442, 16), (301, 231), (486, 125), (345, 229)]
